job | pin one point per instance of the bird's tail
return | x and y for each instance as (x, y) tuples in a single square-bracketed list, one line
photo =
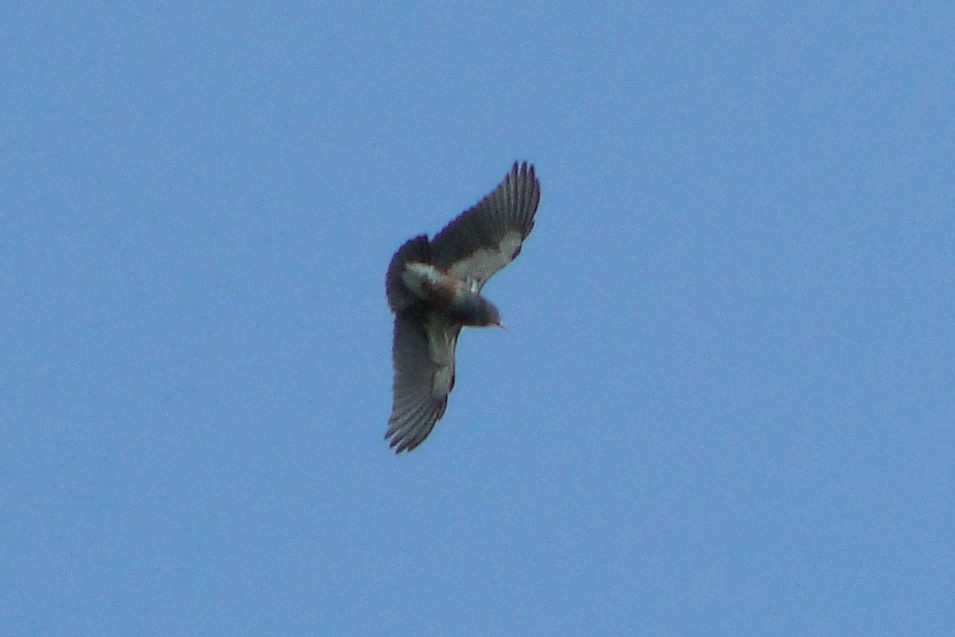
[(414, 250)]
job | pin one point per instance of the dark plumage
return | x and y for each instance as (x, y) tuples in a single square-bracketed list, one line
[(434, 289)]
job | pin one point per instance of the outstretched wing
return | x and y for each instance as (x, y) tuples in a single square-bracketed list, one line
[(423, 356), (487, 237)]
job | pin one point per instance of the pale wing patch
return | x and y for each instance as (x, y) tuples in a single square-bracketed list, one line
[(510, 245), (441, 345), (481, 264)]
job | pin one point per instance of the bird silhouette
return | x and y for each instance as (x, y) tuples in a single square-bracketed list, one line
[(434, 289)]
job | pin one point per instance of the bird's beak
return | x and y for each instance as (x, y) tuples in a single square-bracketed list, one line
[(500, 324)]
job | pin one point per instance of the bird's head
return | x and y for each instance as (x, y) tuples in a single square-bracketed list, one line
[(488, 315)]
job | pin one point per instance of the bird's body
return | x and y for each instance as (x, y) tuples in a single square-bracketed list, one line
[(434, 289), (445, 294)]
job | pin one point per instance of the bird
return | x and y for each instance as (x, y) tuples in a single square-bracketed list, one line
[(434, 290)]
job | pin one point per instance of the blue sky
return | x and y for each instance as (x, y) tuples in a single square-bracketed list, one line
[(724, 401)]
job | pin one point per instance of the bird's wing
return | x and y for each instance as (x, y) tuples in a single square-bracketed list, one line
[(424, 376), (487, 237), (417, 250)]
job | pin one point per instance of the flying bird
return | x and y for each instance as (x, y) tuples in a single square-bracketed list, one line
[(434, 289)]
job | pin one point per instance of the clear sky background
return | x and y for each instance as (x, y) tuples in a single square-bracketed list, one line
[(725, 400)]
